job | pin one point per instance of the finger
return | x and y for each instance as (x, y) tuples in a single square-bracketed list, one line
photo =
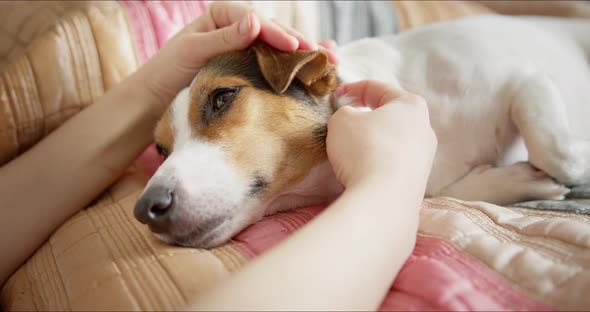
[(224, 13), (304, 44), (276, 36), (204, 46), (217, 15), (329, 44), (343, 116), (332, 56), (369, 92), (329, 48), (349, 110)]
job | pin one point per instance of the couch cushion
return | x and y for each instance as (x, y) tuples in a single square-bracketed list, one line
[(61, 72)]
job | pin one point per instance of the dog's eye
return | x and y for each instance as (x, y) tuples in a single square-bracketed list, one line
[(162, 151), (218, 102), (223, 97)]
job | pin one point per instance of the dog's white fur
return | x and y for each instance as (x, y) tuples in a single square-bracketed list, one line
[(500, 90), (205, 184)]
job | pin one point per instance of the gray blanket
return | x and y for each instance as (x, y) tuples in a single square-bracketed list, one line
[(577, 201)]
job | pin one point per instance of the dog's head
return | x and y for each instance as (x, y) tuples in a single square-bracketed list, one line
[(251, 125)]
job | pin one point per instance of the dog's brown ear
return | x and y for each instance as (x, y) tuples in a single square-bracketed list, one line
[(312, 68)]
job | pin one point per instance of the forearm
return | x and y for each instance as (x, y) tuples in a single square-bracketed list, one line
[(61, 174), (346, 258)]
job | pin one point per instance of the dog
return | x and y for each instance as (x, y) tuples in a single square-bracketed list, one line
[(508, 99)]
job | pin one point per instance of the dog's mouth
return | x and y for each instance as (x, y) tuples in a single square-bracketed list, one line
[(156, 230), (197, 240), (200, 236)]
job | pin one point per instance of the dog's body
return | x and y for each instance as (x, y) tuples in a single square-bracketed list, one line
[(474, 74), (500, 91)]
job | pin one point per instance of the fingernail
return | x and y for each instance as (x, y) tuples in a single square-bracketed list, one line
[(335, 58), (333, 44), (295, 42), (244, 25), (314, 46)]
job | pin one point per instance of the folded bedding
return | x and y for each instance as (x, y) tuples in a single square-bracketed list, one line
[(468, 255)]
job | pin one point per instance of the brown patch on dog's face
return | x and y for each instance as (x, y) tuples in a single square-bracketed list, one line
[(164, 134), (272, 139)]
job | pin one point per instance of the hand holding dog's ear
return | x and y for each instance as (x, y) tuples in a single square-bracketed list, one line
[(396, 137)]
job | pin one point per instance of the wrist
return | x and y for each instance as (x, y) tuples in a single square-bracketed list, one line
[(382, 208), (406, 181), (388, 194), (136, 89), (383, 183)]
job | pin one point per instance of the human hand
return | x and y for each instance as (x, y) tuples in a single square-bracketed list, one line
[(225, 26), (393, 141)]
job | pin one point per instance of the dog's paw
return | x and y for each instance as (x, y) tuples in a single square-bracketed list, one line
[(506, 185), (521, 181)]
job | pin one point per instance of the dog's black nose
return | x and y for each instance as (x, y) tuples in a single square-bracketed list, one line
[(154, 208)]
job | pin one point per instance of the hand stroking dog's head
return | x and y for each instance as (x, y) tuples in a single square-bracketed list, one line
[(251, 126)]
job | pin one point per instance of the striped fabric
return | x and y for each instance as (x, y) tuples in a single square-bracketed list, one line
[(154, 22)]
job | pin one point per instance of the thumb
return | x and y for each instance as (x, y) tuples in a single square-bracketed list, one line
[(371, 93), (236, 36), (351, 104)]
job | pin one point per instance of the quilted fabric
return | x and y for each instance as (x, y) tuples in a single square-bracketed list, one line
[(474, 256), (103, 259), (62, 71)]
